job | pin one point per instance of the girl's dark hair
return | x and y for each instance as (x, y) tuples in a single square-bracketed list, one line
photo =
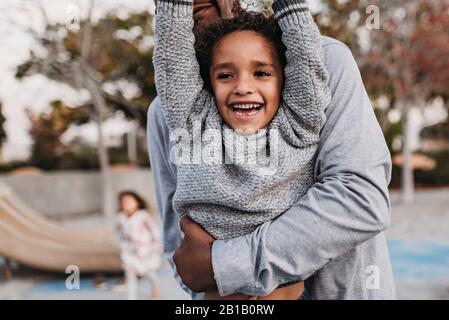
[(142, 204), (208, 34)]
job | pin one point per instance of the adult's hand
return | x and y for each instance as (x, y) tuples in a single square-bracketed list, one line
[(225, 8), (203, 9), (193, 258), (291, 292)]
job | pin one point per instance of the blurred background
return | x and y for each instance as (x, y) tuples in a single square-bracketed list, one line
[(76, 80)]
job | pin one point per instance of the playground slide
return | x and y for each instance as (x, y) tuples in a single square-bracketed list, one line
[(37, 222), (30, 239)]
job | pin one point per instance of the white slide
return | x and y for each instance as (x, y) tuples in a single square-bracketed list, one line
[(30, 239)]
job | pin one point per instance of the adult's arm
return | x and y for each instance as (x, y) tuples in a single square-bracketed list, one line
[(164, 174), (348, 204)]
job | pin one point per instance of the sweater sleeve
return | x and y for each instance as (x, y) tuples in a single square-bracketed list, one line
[(306, 93), (177, 74)]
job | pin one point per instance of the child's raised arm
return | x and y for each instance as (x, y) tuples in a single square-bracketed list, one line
[(178, 81), (306, 92)]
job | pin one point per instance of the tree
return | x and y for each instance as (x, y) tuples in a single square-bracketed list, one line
[(409, 55), (93, 56), (2, 129), (341, 20), (46, 131), (404, 60)]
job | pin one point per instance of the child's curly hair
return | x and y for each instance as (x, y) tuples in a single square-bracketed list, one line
[(208, 34)]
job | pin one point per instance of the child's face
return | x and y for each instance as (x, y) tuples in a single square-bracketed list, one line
[(247, 79), (129, 204)]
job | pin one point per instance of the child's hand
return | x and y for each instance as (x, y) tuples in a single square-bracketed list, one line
[(292, 292), (236, 296)]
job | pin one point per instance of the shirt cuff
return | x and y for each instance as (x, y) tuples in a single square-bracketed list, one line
[(292, 12), (176, 8), (232, 266)]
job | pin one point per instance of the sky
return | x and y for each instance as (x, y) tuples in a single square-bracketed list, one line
[(36, 92)]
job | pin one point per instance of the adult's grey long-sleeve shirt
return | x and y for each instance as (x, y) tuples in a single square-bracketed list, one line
[(238, 186), (334, 236)]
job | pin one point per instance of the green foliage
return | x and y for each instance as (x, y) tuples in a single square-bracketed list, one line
[(49, 153), (6, 167), (393, 131), (436, 177), (46, 131)]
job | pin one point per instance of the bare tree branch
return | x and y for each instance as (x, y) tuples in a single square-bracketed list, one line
[(86, 33), (43, 13)]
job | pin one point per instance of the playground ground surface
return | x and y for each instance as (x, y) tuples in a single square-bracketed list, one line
[(418, 242)]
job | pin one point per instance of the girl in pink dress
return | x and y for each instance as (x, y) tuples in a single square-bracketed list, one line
[(139, 239)]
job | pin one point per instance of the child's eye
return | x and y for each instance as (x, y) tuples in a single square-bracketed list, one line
[(224, 76), (260, 73)]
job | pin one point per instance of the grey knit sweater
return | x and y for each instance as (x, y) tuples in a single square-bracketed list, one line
[(227, 182)]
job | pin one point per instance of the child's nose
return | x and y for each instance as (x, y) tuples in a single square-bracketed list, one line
[(243, 86)]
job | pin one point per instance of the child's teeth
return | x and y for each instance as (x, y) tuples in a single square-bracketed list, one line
[(246, 106)]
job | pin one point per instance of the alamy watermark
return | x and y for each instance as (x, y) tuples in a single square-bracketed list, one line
[(372, 281), (72, 282), (373, 19), (72, 21), (258, 150)]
